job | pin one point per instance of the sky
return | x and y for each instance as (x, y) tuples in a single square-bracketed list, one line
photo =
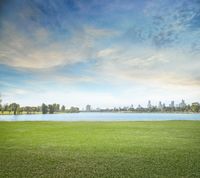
[(105, 53)]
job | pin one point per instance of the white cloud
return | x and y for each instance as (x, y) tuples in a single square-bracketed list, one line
[(161, 67), (39, 51)]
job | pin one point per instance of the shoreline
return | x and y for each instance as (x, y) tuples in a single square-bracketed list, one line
[(119, 112), (97, 121)]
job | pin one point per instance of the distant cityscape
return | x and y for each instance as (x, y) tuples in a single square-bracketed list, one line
[(161, 107), (15, 108)]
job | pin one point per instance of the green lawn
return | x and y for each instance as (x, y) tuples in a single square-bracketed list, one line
[(100, 149)]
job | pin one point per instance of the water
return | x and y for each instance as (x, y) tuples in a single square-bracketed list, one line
[(95, 116)]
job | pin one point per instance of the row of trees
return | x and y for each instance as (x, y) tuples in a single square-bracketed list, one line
[(52, 108), (15, 109)]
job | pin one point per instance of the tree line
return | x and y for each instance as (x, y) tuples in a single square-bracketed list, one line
[(15, 109), (52, 108)]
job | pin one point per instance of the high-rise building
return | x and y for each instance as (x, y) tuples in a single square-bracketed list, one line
[(182, 104), (172, 104), (163, 106), (131, 106), (88, 108), (160, 105), (139, 107), (98, 109), (149, 104)]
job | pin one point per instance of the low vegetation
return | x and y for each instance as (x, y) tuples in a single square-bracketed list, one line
[(100, 149)]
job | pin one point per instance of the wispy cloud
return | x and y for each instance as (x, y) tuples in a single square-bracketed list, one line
[(106, 48), (40, 51)]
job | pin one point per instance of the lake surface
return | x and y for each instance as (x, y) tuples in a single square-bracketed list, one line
[(100, 116)]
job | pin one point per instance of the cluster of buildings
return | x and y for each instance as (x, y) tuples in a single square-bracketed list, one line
[(149, 106), (162, 105)]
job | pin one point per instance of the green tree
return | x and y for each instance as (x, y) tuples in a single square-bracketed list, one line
[(39, 109), (34, 109), (195, 107), (1, 106), (21, 110), (51, 108), (18, 110), (27, 109), (57, 107), (6, 107), (63, 108), (14, 107), (54, 109), (44, 108), (0, 99), (74, 109)]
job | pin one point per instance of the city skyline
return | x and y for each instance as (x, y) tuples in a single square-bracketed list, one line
[(148, 105), (105, 53), (51, 108)]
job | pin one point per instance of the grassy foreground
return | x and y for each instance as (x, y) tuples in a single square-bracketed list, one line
[(100, 149)]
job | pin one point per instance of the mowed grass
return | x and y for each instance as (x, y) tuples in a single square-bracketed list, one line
[(100, 149)]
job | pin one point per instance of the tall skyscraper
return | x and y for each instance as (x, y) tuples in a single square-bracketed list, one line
[(160, 105), (139, 107), (182, 104), (149, 104), (172, 104), (88, 108)]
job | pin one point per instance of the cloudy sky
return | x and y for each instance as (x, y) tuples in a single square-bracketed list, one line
[(100, 52)]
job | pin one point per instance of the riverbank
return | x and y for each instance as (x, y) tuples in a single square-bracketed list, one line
[(99, 149)]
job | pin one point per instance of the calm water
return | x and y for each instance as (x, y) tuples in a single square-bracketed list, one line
[(101, 117)]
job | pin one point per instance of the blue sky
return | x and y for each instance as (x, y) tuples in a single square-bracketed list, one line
[(103, 53)]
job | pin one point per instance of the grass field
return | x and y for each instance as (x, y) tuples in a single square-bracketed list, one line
[(100, 149)]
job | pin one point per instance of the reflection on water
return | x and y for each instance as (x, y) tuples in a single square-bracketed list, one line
[(95, 116)]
